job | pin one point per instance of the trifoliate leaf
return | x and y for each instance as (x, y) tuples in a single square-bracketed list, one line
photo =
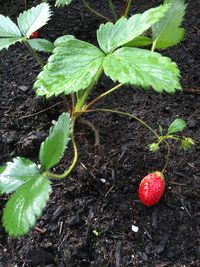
[(154, 147), (33, 19), (187, 143), (166, 32), (178, 125), (53, 147), (26, 205), (63, 39), (72, 67), (111, 36), (14, 174), (6, 42), (139, 41), (144, 68), (60, 3), (8, 28), (41, 45)]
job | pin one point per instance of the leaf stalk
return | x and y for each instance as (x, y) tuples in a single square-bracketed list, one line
[(75, 159), (92, 10), (34, 54)]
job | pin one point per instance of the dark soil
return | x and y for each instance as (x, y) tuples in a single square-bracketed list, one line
[(101, 193)]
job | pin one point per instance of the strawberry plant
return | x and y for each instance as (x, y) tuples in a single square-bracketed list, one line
[(73, 69)]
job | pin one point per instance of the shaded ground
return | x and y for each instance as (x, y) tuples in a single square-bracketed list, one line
[(101, 193)]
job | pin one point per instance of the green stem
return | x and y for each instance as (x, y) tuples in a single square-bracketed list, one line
[(82, 100), (112, 9), (153, 46), (127, 8), (103, 95), (167, 157), (34, 54), (123, 114), (75, 159), (94, 11)]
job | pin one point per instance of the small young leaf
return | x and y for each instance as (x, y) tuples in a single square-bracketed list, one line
[(144, 68), (26, 205), (8, 28), (139, 41), (33, 19), (52, 149), (166, 32), (187, 143), (6, 42), (72, 67), (60, 3), (154, 147), (14, 174), (178, 125), (111, 36), (41, 45)]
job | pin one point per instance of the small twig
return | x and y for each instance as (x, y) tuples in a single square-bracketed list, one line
[(40, 230), (41, 111), (109, 190), (191, 91)]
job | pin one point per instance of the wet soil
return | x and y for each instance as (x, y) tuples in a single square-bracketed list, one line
[(90, 217)]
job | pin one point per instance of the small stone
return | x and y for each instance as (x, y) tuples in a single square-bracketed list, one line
[(134, 228), (23, 88)]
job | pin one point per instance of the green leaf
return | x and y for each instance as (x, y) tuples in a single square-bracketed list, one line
[(178, 125), (60, 3), (144, 68), (15, 174), (6, 42), (63, 39), (33, 19), (166, 32), (139, 41), (8, 28), (111, 36), (53, 147), (72, 67), (26, 205), (42, 45)]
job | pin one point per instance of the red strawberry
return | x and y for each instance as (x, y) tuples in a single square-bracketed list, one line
[(35, 35), (151, 188)]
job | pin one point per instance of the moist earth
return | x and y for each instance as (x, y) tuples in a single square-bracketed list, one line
[(91, 215)]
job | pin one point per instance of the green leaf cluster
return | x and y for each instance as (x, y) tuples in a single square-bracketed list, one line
[(75, 65), (28, 22), (30, 183), (178, 125)]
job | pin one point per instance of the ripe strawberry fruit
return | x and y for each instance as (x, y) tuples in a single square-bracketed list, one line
[(35, 35), (151, 188)]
